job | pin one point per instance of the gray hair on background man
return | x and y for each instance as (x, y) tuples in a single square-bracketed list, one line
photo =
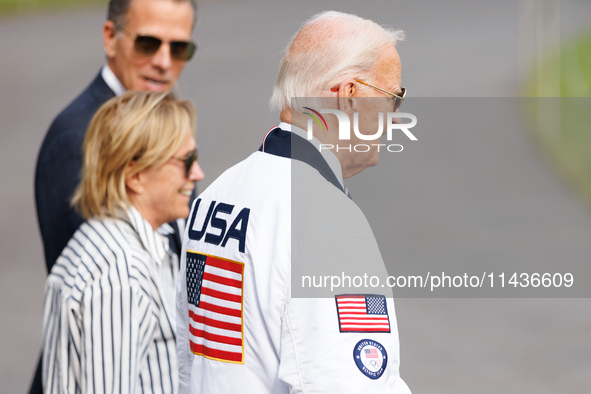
[(322, 58)]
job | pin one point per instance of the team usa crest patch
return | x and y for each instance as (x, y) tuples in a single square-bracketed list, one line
[(362, 313), (371, 358), (215, 295)]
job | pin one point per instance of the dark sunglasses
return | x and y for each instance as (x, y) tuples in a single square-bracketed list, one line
[(189, 160), (149, 45)]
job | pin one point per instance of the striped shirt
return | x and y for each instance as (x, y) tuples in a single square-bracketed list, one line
[(109, 316)]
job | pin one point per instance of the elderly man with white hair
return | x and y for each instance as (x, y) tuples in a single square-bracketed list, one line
[(245, 322)]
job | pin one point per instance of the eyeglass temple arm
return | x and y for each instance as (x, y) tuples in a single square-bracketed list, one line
[(380, 89)]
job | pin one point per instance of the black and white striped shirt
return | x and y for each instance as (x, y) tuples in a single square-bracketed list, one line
[(109, 316)]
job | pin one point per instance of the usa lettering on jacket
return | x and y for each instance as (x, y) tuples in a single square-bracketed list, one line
[(215, 225)]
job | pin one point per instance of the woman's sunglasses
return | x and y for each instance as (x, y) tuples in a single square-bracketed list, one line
[(189, 159)]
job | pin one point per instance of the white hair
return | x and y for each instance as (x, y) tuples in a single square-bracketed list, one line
[(335, 46)]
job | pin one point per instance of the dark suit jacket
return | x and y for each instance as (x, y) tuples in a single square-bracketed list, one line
[(59, 166)]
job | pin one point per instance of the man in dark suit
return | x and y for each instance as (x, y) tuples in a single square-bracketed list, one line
[(147, 44)]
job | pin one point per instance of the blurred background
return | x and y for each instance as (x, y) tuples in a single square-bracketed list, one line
[(51, 50)]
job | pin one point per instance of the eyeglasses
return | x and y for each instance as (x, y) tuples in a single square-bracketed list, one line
[(397, 98), (149, 45), (189, 160)]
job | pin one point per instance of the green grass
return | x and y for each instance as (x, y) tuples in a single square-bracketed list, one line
[(17, 6), (562, 122), (568, 68)]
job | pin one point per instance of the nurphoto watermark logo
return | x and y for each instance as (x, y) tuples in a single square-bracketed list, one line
[(345, 130)]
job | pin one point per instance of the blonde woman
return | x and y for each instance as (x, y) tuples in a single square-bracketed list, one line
[(109, 315)]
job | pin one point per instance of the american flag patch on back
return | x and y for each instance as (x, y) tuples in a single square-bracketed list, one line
[(362, 313), (214, 287)]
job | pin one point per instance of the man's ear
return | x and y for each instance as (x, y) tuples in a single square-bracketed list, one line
[(133, 181), (110, 39), (347, 93)]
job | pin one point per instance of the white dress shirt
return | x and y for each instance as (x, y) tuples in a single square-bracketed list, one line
[(109, 316), (112, 81)]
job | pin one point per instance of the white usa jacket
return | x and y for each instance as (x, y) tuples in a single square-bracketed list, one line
[(239, 330)]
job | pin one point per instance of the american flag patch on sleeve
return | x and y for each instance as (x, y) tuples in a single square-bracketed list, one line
[(214, 287), (362, 313)]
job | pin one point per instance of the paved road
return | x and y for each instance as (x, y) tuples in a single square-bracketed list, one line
[(454, 49)]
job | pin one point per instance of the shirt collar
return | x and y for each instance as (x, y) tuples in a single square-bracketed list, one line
[(331, 159), (155, 243), (112, 81)]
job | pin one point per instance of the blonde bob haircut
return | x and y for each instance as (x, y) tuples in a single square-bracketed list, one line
[(128, 134)]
